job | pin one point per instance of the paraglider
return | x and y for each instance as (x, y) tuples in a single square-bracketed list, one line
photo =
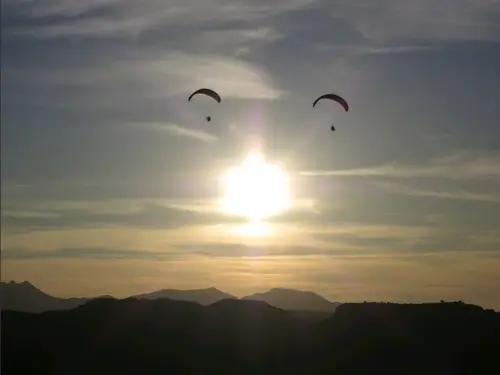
[(335, 98), (209, 92)]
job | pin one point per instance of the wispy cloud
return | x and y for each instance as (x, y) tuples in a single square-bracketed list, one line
[(159, 74), (394, 49), (375, 20), (143, 215), (182, 131), (455, 194), (233, 78), (68, 8), (371, 50), (237, 41), (454, 177), (395, 20), (346, 241), (129, 17), (87, 253), (464, 165), (8, 186), (140, 213)]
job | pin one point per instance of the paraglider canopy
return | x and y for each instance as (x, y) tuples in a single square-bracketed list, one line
[(209, 92), (335, 98)]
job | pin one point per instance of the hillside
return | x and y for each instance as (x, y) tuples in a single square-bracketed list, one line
[(162, 336)]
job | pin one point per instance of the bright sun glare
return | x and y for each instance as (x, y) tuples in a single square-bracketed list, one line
[(255, 189)]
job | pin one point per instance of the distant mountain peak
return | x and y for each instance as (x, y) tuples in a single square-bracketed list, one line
[(280, 288), (210, 289), (25, 285), (291, 293), (213, 289), (288, 290), (13, 282), (205, 296), (24, 296), (291, 299)]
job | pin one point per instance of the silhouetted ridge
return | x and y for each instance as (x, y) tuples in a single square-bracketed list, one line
[(163, 336), (248, 313), (26, 297), (289, 299), (161, 303), (407, 337), (202, 296), (240, 305)]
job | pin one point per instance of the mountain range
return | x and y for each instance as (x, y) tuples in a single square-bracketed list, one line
[(240, 336), (25, 297)]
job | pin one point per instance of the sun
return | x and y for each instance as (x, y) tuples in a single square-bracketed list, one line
[(255, 189)]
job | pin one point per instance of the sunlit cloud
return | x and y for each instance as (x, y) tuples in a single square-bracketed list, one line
[(233, 77), (464, 169), (455, 194), (86, 253), (225, 238), (154, 76), (461, 166), (239, 41), (182, 131)]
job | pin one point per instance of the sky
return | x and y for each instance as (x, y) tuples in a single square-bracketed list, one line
[(111, 178)]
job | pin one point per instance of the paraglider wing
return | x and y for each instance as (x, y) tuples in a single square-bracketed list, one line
[(334, 97), (208, 92)]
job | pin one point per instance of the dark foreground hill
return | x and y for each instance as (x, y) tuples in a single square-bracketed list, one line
[(132, 336)]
